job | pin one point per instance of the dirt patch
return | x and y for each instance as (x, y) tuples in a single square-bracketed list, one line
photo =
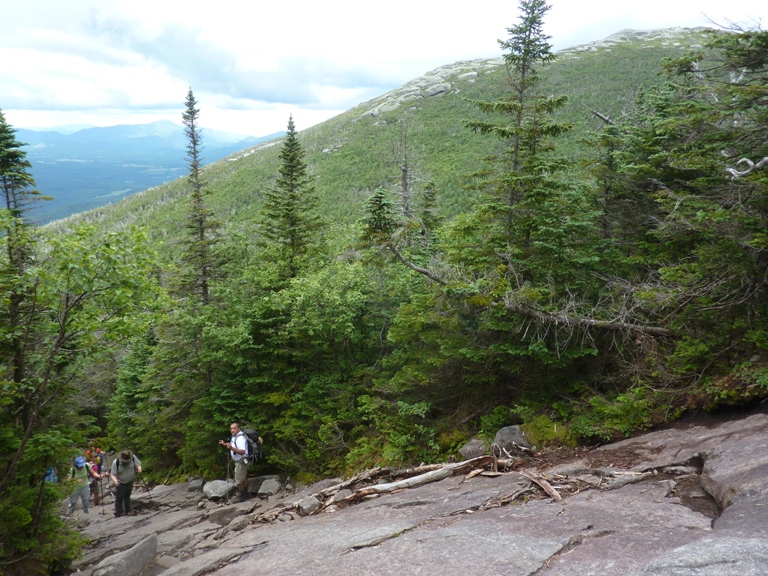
[(593, 457), (693, 496)]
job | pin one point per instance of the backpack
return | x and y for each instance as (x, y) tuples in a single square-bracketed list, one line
[(253, 445), (74, 469), (117, 459)]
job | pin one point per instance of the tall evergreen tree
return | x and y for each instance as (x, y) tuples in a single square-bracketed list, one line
[(532, 236), (523, 119), (291, 225), (199, 258)]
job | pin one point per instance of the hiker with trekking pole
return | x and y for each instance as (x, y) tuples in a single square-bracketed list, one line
[(123, 473), (244, 449), (81, 475), (238, 449)]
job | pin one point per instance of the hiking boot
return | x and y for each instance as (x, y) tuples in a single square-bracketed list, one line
[(243, 496)]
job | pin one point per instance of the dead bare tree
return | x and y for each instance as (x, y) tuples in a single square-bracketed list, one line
[(751, 166)]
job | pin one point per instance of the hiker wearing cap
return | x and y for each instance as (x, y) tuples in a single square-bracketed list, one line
[(123, 471), (81, 475), (237, 447)]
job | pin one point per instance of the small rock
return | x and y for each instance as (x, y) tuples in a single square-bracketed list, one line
[(340, 495), (308, 505), (196, 485)]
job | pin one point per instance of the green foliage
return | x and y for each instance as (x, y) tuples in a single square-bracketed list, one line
[(290, 224), (746, 383), (398, 434), (588, 302), (496, 419), (542, 431), (603, 419), (87, 293)]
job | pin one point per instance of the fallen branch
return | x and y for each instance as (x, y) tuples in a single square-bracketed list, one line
[(577, 321), (542, 482)]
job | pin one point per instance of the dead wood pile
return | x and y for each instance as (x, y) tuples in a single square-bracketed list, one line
[(372, 483)]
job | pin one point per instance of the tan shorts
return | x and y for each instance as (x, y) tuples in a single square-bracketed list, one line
[(241, 472)]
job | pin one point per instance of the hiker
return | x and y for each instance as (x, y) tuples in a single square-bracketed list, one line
[(237, 450), (52, 474), (96, 484), (96, 457), (81, 474), (123, 471)]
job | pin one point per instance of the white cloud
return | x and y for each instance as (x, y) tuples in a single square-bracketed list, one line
[(251, 64)]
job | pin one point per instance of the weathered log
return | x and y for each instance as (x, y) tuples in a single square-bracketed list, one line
[(432, 476)]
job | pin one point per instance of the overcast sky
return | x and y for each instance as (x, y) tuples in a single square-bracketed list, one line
[(252, 63)]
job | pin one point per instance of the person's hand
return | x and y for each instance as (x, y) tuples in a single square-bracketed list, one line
[(138, 469)]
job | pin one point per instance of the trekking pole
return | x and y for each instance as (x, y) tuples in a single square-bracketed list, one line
[(101, 489), (146, 488)]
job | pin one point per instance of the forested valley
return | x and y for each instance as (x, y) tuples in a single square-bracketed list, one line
[(583, 286)]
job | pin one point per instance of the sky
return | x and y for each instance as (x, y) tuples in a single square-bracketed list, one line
[(251, 64)]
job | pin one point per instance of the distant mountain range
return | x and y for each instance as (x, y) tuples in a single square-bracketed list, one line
[(97, 166)]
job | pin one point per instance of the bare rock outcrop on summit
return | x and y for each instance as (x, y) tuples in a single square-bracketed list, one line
[(438, 81), (691, 500)]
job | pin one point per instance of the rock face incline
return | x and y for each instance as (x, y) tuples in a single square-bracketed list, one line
[(688, 501)]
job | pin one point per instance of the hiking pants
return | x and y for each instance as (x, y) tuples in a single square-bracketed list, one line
[(123, 498), (84, 493), (95, 487)]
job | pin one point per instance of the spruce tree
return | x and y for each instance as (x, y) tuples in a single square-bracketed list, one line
[(523, 118), (290, 224), (199, 258)]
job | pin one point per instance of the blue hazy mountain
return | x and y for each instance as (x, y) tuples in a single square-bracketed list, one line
[(97, 166)]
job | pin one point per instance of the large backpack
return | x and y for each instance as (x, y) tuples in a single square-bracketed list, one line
[(253, 446), (133, 461)]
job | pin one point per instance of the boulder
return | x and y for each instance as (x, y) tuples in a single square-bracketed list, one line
[(308, 505), (269, 487), (473, 449), (219, 489), (437, 89), (511, 439), (255, 483)]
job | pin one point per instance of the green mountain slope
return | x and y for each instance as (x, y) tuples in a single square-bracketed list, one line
[(352, 153)]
